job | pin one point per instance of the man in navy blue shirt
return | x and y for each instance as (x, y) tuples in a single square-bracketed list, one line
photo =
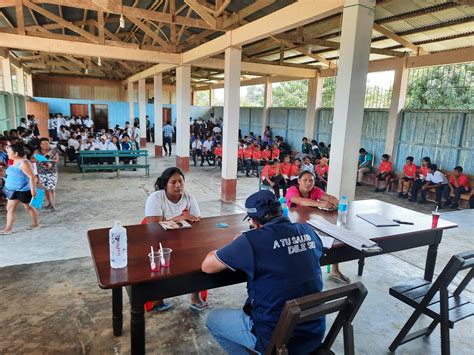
[(281, 260)]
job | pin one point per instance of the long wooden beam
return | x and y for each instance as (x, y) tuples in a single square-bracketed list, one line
[(399, 39), (61, 21), (115, 7), (150, 32), (291, 16), (58, 46), (202, 12), (20, 19)]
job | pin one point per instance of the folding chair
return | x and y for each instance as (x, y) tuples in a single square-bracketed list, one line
[(345, 300), (435, 301)]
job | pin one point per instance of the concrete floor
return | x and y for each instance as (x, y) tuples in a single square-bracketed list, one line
[(56, 306)]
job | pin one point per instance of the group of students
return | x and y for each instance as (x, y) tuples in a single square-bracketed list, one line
[(57, 121), (415, 179), (274, 274)]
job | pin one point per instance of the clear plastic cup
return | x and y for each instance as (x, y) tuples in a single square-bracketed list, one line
[(155, 264), (434, 222), (167, 257)]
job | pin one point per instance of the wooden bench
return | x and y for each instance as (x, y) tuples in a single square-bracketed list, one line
[(435, 301), (90, 160), (371, 178), (345, 301)]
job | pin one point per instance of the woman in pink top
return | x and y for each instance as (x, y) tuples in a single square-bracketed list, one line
[(306, 194)]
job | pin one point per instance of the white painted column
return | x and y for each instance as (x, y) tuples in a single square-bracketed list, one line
[(231, 123), (315, 91), (29, 85), (142, 100), (267, 103), (8, 86), (20, 79), (210, 97), (357, 22), (399, 94), (131, 102), (158, 113), (183, 108)]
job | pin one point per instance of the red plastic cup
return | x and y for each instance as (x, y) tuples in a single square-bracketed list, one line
[(155, 264), (434, 222), (167, 257)]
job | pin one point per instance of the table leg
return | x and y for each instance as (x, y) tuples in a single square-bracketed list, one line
[(117, 314), (431, 256), (137, 325)]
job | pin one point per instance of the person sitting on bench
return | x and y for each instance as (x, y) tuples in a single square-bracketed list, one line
[(271, 176), (438, 181), (459, 184), (364, 166), (421, 179), (409, 175), (385, 173), (277, 272)]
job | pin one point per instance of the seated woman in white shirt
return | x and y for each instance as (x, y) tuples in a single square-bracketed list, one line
[(171, 203)]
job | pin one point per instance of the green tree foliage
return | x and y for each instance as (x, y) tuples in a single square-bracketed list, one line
[(445, 87), (202, 98), (290, 94), (254, 97)]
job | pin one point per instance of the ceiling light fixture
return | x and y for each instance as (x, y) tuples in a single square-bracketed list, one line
[(86, 71), (122, 21), (99, 62)]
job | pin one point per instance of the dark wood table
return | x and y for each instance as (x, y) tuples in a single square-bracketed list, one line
[(190, 246)]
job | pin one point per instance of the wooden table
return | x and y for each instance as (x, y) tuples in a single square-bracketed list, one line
[(190, 246)]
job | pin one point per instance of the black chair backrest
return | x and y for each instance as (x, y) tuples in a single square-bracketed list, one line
[(457, 263), (345, 300)]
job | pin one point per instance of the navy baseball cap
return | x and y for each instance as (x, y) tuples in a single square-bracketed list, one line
[(260, 203)]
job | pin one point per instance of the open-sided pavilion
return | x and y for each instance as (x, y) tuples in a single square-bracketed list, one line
[(202, 45)]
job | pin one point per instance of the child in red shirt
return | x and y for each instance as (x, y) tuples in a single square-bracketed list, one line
[(266, 154), (271, 176), (218, 154), (321, 171), (275, 152), (247, 154), (285, 169), (409, 175), (385, 173), (295, 172), (459, 184), (256, 157)]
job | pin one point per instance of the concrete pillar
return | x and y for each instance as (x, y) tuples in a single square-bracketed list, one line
[(20, 80), (158, 113), (399, 94), (231, 123), (8, 86), (357, 21), (315, 91), (267, 103), (142, 100), (131, 102), (29, 85), (183, 108)]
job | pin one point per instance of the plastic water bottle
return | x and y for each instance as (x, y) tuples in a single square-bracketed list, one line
[(118, 246), (342, 212), (284, 206)]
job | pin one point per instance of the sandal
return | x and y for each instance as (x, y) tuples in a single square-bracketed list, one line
[(2, 232), (199, 307), (33, 228), (163, 307), (340, 278)]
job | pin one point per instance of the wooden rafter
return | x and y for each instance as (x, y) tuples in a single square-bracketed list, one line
[(149, 32), (418, 50), (247, 11), (20, 19), (115, 8), (61, 21), (173, 35), (307, 53), (100, 26), (203, 12)]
